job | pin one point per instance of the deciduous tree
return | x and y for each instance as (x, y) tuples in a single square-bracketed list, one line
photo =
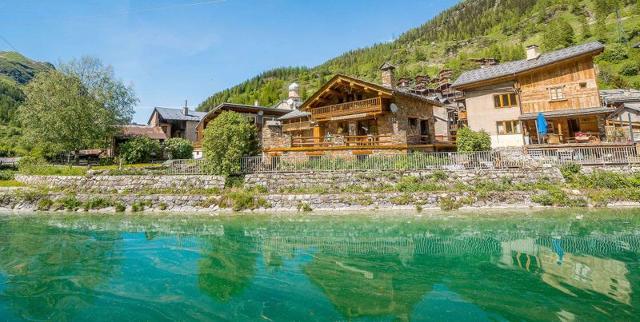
[(226, 140)]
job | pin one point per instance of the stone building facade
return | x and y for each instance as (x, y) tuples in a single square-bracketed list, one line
[(348, 116)]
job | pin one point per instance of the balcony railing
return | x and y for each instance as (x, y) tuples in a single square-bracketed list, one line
[(296, 126), (339, 140), (372, 105)]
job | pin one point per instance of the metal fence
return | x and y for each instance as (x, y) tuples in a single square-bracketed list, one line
[(503, 159)]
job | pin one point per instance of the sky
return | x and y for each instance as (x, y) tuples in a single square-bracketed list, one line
[(177, 50)]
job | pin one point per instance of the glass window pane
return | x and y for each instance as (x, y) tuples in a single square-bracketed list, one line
[(508, 127), (496, 100)]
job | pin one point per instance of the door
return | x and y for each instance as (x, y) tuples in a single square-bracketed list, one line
[(425, 132), (574, 127)]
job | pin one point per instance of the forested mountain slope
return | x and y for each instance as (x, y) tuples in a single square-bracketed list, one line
[(15, 72), (473, 29)]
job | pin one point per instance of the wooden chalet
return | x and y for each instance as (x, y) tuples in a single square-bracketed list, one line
[(505, 99), (356, 117)]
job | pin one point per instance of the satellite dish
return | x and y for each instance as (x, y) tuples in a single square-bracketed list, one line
[(260, 113), (394, 108)]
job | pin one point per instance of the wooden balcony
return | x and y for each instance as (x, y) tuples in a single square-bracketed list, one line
[(342, 141), (372, 105), (296, 126)]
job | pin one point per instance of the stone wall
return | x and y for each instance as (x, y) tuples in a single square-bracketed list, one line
[(99, 183), (275, 182)]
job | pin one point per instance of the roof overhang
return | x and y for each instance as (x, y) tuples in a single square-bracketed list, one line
[(568, 113), (489, 81), (633, 108)]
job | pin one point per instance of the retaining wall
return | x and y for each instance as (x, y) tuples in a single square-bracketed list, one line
[(275, 182), (131, 183)]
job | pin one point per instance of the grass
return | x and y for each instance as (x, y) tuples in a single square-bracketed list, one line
[(10, 184), (39, 169)]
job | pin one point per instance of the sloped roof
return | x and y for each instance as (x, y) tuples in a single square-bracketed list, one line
[(242, 108), (176, 114), (571, 112), (378, 87), (620, 95), (294, 114), (519, 66), (135, 130)]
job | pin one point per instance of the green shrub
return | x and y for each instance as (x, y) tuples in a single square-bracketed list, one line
[(70, 203), (97, 203), (468, 140), (140, 150), (448, 203), (6, 175), (570, 170), (629, 69), (601, 179), (415, 184), (614, 53), (403, 199), (162, 206), (228, 139), (44, 204), (558, 198), (304, 207), (120, 207), (439, 175), (240, 199), (178, 148)]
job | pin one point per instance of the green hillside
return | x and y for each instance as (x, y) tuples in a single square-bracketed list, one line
[(15, 71), (473, 29)]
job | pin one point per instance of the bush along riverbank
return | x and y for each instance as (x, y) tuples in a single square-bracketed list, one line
[(568, 186)]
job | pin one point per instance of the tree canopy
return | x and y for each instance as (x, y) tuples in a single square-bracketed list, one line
[(78, 107), (228, 139)]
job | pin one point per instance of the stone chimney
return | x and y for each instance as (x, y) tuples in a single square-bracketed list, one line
[(533, 52), (388, 75)]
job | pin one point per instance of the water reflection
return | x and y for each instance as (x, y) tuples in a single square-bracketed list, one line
[(52, 273), (328, 268)]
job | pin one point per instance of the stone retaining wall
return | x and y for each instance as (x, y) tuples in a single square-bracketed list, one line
[(131, 183), (275, 182)]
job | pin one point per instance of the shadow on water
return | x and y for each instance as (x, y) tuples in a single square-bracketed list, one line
[(550, 266)]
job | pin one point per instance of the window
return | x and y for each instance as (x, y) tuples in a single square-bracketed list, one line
[(556, 93), (505, 100), (583, 85), (509, 127), (413, 122)]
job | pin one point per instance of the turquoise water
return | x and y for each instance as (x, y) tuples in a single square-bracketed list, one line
[(559, 266)]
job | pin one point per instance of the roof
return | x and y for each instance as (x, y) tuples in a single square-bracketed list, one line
[(134, 130), (294, 114), (378, 87), (243, 108), (620, 95), (386, 66), (520, 66), (571, 112), (176, 114), (633, 108)]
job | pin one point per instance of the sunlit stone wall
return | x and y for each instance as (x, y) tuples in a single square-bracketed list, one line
[(128, 183), (276, 182)]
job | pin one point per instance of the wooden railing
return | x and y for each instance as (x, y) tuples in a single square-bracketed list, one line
[(371, 105), (340, 140), (296, 126)]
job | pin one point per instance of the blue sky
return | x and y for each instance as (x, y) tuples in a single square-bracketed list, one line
[(172, 50)]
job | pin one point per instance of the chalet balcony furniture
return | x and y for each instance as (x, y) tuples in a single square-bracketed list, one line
[(372, 105), (553, 139)]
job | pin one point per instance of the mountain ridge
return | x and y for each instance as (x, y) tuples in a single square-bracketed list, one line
[(470, 29)]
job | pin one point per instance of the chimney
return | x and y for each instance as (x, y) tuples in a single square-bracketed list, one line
[(533, 52), (388, 75), (185, 109)]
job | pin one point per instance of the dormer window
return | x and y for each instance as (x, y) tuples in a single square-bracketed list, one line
[(556, 93)]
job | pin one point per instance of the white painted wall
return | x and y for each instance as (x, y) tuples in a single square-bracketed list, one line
[(482, 114)]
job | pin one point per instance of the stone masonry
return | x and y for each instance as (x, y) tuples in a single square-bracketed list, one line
[(130, 183)]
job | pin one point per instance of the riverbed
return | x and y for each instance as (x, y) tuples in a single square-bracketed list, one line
[(456, 266)]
